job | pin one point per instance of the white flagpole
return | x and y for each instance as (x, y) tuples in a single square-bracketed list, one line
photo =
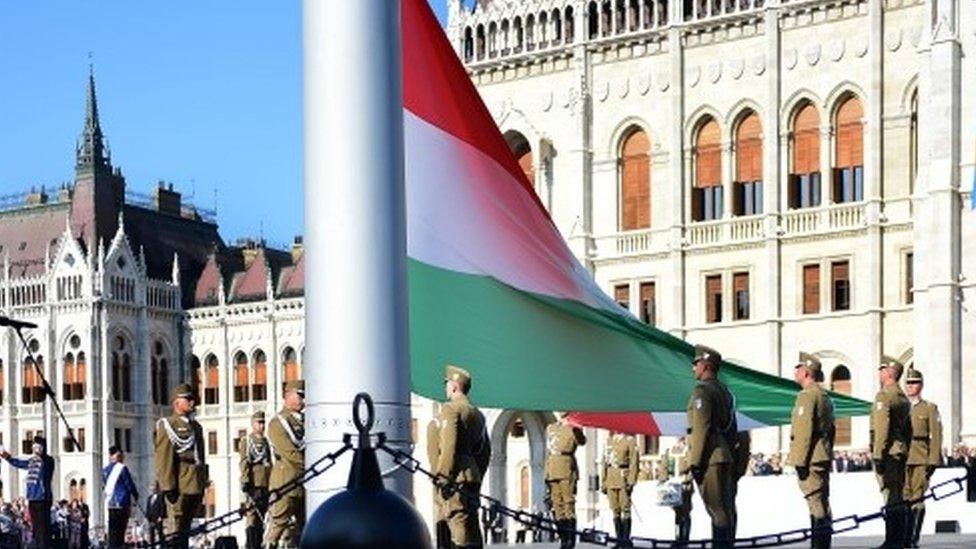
[(355, 231)]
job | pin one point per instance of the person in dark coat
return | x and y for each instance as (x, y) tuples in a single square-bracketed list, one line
[(40, 472)]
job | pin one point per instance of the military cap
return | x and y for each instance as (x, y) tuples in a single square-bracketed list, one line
[(458, 374), (296, 385), (913, 376), (708, 355), (113, 449), (812, 364), (257, 416), (889, 362), (183, 390), (38, 439)]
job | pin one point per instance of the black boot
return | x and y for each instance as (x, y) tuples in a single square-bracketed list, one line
[(627, 524), (822, 533), (683, 533), (917, 530), (571, 533), (618, 531), (561, 532), (443, 534), (721, 537)]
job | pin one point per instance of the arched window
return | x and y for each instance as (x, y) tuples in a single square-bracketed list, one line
[(619, 15), (747, 199), (292, 369), (913, 144), (32, 390), (73, 489), (707, 195), (634, 15), (81, 377), (2, 382), (543, 29), (241, 381), (519, 34), (849, 158), (259, 390), (505, 46), (159, 373), (520, 147), (67, 376), (121, 370), (196, 373), (480, 42), (83, 490), (635, 181), (840, 382), (592, 21), (557, 27), (468, 48), (525, 487), (492, 39), (804, 191), (606, 19), (530, 32), (211, 391), (570, 25)]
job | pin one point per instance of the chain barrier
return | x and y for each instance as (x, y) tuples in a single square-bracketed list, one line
[(536, 522), (231, 517)]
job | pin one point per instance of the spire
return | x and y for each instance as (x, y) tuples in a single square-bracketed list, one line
[(91, 147)]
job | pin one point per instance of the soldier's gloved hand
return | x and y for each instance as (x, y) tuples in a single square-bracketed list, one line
[(802, 472), (698, 474), (247, 487), (929, 471), (879, 466), (603, 489), (172, 496)]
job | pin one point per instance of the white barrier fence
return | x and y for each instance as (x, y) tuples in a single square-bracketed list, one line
[(772, 504)]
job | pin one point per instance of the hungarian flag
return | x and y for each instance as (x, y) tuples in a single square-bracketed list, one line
[(494, 288)]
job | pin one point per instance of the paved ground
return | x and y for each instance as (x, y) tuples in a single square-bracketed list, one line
[(941, 541)]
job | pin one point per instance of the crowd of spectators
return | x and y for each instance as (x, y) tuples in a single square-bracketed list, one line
[(69, 522), (853, 461)]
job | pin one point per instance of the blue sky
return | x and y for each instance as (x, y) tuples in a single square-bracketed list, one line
[(206, 95)]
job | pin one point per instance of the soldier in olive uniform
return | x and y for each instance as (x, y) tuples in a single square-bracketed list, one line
[(441, 530), (562, 473), (463, 454), (924, 454), (711, 431), (812, 446), (286, 434), (891, 433), (620, 464), (255, 471), (677, 462), (180, 462)]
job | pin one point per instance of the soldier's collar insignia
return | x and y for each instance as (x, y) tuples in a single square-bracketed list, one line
[(698, 403)]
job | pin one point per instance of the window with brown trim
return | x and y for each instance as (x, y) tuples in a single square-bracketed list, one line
[(840, 382), (910, 278), (621, 294), (211, 442), (840, 285), (259, 390), (740, 289), (713, 298), (707, 195), (292, 369), (811, 289), (848, 176), (241, 385), (804, 180), (211, 392), (648, 306), (747, 198), (635, 182)]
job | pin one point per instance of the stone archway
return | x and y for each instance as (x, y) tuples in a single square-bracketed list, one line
[(501, 468)]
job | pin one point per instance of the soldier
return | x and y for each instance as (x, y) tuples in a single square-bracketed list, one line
[(562, 474), (711, 431), (442, 533), (677, 462), (255, 471), (286, 434), (924, 454), (812, 446), (620, 464), (890, 437), (181, 468), (463, 454)]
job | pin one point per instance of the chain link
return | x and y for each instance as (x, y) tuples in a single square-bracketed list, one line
[(322, 465), (536, 522)]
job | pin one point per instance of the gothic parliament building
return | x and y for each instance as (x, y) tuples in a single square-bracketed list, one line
[(764, 176)]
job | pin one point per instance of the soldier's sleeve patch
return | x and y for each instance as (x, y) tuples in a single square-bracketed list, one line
[(698, 404), (799, 410), (877, 405)]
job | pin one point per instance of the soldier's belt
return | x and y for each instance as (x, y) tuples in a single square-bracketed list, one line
[(561, 453), (922, 438)]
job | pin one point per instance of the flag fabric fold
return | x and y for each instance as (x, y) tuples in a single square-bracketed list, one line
[(494, 288)]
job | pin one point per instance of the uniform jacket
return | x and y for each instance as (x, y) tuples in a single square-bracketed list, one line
[(286, 433), (620, 462), (40, 472), (179, 455), (463, 445), (891, 426), (255, 461), (562, 441), (125, 488), (709, 413), (812, 434), (926, 445)]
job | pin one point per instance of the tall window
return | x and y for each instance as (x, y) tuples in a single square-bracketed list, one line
[(524, 487), (740, 288), (159, 373), (241, 381), (913, 144), (211, 391), (121, 370), (196, 373), (621, 294), (570, 25), (909, 279), (648, 306), (81, 377), (840, 382), (713, 298), (68, 377), (706, 196), (840, 285), (293, 369), (849, 168), (804, 191), (259, 389), (2, 381), (748, 166), (811, 289), (32, 391), (635, 181), (211, 442)]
